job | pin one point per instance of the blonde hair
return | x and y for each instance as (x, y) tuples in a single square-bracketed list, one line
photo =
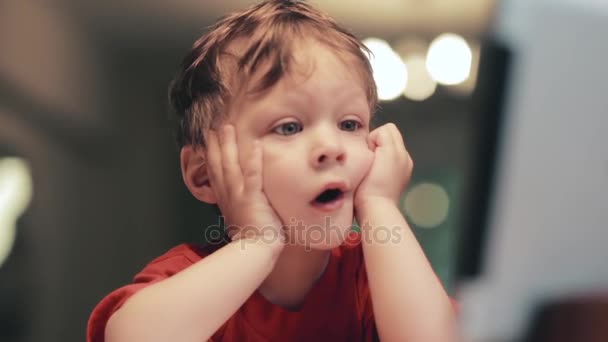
[(266, 33)]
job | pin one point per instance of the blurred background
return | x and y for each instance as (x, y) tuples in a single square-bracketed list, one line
[(501, 105)]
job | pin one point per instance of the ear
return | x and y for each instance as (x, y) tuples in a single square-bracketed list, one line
[(194, 172)]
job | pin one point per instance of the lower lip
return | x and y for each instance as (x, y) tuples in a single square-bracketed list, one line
[(330, 206)]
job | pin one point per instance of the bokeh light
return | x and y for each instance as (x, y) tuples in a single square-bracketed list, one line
[(420, 84), (427, 205), (467, 87), (449, 59), (390, 73), (15, 196)]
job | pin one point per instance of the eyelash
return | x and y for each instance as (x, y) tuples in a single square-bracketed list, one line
[(358, 126)]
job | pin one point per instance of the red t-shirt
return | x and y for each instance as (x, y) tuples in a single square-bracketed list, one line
[(338, 308)]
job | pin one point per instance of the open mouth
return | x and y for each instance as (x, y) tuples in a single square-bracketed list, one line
[(328, 196), (331, 197)]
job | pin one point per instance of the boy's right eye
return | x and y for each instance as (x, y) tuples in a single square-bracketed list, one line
[(288, 128)]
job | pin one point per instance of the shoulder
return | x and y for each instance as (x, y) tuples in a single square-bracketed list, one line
[(171, 262), (174, 260)]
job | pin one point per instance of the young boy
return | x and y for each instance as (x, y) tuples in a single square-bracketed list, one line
[(275, 105)]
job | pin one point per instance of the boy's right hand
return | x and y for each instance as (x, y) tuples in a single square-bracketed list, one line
[(238, 190)]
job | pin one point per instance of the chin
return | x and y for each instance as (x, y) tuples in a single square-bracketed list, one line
[(319, 231), (320, 236), (324, 245)]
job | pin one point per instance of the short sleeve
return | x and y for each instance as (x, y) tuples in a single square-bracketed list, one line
[(162, 268)]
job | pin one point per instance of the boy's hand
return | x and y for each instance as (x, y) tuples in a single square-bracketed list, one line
[(390, 171), (238, 189)]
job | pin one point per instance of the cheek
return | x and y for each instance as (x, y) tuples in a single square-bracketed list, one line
[(279, 171), (280, 184)]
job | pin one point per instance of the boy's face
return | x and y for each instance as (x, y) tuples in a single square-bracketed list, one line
[(313, 126)]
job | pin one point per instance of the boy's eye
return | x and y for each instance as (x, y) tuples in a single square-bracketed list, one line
[(350, 125), (288, 128)]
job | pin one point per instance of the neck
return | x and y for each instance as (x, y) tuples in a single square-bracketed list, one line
[(295, 273)]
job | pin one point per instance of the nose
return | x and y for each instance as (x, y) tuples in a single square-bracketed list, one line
[(328, 150)]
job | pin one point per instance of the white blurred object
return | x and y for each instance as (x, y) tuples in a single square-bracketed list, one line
[(15, 196), (390, 73), (449, 59), (547, 230)]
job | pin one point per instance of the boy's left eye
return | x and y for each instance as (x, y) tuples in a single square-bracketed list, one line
[(350, 125)]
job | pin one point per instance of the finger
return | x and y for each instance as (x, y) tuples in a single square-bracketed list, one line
[(379, 137), (394, 138), (398, 139), (252, 173), (388, 142), (230, 159), (214, 161), (371, 139), (396, 135)]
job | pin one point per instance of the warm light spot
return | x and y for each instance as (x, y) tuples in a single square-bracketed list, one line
[(449, 59), (15, 196), (427, 205), (420, 85), (467, 87), (390, 73)]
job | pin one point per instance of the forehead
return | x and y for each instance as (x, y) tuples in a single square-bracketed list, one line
[(313, 67), (312, 57)]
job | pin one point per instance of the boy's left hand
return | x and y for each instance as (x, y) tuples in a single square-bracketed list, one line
[(391, 169)]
